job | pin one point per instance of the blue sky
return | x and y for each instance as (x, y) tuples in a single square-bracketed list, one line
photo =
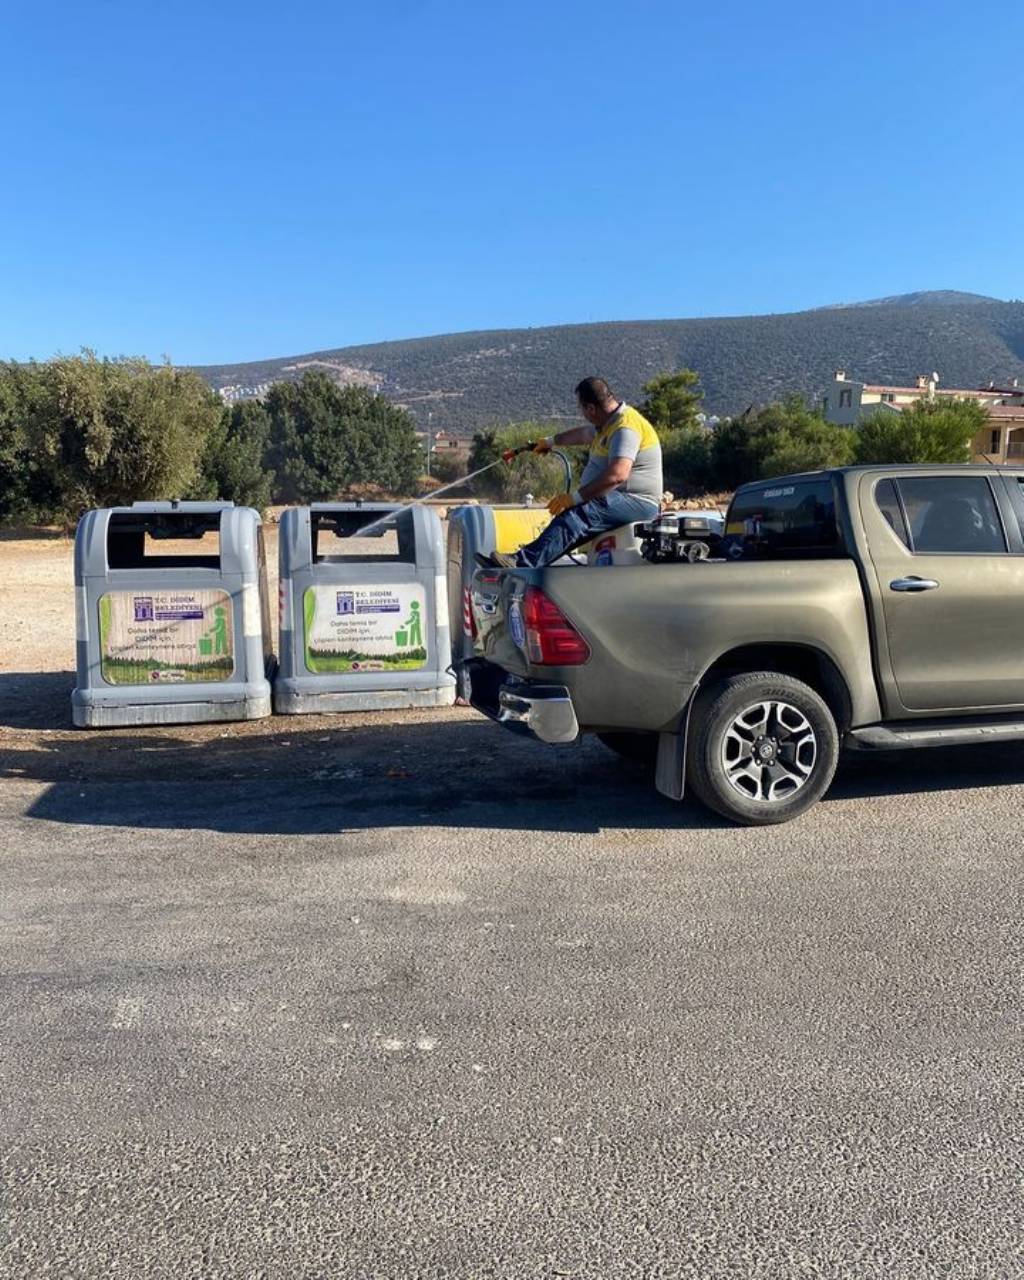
[(219, 182)]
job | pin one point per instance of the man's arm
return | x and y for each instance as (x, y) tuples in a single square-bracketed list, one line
[(622, 449), (615, 473), (574, 435)]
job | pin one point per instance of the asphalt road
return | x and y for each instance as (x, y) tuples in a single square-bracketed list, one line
[(414, 999)]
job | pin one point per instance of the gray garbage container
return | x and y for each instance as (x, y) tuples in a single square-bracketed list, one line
[(364, 622), (172, 615)]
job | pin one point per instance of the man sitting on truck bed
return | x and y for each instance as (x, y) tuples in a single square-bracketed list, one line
[(621, 483)]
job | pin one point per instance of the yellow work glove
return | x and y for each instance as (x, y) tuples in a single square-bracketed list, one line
[(561, 502), (542, 446)]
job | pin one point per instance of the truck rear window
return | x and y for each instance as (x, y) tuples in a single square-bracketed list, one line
[(784, 519)]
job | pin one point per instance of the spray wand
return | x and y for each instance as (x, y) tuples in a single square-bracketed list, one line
[(508, 456)]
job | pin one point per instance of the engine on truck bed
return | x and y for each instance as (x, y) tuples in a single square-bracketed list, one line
[(675, 537)]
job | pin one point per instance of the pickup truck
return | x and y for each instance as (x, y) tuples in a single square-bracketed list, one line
[(871, 608)]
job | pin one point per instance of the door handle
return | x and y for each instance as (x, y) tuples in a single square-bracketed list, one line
[(913, 584)]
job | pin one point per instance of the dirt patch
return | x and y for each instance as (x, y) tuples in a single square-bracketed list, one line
[(38, 632)]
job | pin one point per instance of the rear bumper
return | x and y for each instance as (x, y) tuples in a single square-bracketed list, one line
[(546, 711), (543, 711)]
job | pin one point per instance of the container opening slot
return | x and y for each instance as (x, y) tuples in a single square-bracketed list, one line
[(171, 540), (334, 543)]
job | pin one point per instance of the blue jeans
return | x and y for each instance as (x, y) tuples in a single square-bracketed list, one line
[(580, 524)]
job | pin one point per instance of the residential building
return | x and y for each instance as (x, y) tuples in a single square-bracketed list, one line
[(847, 401), (235, 392), (442, 442)]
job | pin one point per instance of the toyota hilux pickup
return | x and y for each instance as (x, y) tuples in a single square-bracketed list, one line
[(872, 608)]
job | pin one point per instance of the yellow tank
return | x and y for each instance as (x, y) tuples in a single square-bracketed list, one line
[(514, 527)]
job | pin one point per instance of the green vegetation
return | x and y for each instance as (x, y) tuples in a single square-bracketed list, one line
[(539, 474), (232, 464), (937, 430), (23, 490), (335, 662), (779, 439), (83, 432), (671, 404), (446, 468), (139, 670), (79, 432), (672, 401), (324, 439), (686, 461)]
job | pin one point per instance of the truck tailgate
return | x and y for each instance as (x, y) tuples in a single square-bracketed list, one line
[(497, 619)]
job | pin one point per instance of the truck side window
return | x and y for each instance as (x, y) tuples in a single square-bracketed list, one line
[(950, 514), (889, 504)]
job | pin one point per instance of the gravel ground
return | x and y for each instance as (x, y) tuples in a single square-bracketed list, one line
[(403, 996)]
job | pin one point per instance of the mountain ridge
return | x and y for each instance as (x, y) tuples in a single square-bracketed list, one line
[(464, 381), (926, 298)]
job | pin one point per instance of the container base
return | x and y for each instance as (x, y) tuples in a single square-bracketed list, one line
[(289, 702), (98, 716)]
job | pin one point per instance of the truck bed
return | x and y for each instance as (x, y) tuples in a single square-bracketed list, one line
[(653, 629)]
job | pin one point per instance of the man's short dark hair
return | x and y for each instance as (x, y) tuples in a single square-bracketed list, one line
[(594, 391)]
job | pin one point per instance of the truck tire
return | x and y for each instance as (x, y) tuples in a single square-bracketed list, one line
[(762, 748), (640, 748)]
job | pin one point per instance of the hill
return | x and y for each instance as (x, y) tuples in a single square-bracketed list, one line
[(930, 298), (468, 380)]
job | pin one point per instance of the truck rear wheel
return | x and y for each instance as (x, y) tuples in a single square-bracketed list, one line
[(762, 748)]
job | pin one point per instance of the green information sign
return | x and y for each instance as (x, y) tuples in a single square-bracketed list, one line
[(365, 628), (166, 637)]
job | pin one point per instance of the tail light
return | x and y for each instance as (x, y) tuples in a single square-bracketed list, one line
[(551, 639)]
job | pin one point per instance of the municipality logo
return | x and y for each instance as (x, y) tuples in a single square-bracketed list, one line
[(346, 604)]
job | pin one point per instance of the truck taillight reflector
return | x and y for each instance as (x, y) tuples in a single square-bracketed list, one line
[(551, 639), (468, 621)]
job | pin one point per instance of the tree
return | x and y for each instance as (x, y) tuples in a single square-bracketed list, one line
[(325, 439), (537, 474), (446, 468), (484, 448), (24, 494), (809, 445), (672, 401), (483, 452), (932, 429), (232, 464), (686, 460), (779, 439), (104, 432)]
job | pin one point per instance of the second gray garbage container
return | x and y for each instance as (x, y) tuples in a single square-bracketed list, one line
[(364, 621)]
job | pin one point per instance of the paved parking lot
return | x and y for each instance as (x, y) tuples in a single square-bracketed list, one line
[(401, 996)]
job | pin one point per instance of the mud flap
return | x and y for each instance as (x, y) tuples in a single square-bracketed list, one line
[(670, 771)]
